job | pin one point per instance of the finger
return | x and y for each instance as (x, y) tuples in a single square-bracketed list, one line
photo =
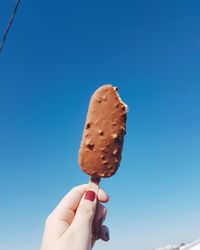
[(84, 216), (66, 209), (102, 196), (99, 218), (103, 233)]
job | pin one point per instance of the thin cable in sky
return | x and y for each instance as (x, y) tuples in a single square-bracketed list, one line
[(9, 25)]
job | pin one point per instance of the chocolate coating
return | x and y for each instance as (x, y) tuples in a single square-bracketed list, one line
[(102, 140)]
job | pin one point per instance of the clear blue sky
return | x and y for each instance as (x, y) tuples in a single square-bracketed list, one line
[(56, 55)]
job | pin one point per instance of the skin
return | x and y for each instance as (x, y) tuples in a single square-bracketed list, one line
[(76, 223)]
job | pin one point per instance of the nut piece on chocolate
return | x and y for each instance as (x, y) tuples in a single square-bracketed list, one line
[(103, 135)]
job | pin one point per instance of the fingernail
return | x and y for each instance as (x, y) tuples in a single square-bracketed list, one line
[(90, 195)]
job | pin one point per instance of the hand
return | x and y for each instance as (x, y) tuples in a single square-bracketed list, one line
[(76, 222)]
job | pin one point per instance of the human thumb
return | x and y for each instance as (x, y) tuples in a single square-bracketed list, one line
[(85, 212)]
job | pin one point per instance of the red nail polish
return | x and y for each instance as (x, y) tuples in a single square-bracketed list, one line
[(90, 195)]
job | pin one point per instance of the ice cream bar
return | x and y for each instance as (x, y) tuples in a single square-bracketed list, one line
[(102, 140)]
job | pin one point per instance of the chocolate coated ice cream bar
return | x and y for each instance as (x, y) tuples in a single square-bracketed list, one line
[(103, 135)]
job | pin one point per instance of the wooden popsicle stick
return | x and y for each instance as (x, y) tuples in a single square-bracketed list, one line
[(94, 184)]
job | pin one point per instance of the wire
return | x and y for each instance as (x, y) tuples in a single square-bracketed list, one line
[(9, 25)]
